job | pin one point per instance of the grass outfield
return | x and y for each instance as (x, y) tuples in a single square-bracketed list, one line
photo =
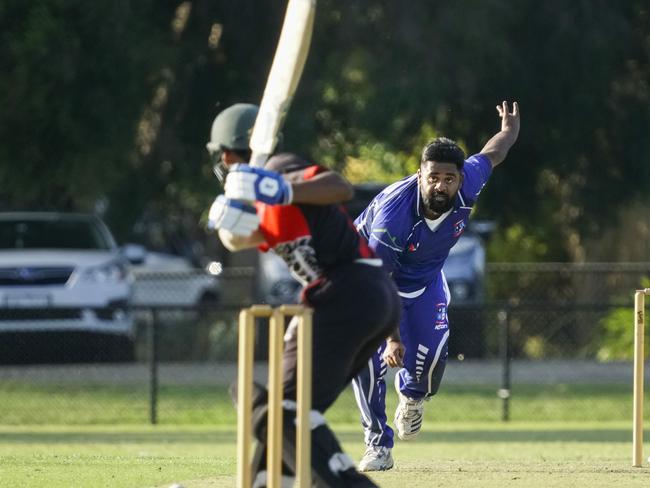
[(464, 454), (97, 436), (22, 403)]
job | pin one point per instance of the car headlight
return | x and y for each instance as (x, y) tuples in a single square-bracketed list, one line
[(110, 272)]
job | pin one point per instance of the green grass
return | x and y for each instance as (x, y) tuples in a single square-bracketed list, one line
[(466, 454), (58, 436), (94, 436), (99, 405), (115, 456)]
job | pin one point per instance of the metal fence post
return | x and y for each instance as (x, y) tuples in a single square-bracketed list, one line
[(504, 391), (153, 368)]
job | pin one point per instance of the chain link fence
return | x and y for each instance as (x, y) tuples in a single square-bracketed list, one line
[(549, 342)]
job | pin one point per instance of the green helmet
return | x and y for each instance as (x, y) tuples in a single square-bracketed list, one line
[(231, 129)]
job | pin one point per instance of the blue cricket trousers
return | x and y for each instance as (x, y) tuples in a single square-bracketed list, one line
[(424, 329)]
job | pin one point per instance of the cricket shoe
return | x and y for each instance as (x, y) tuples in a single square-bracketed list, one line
[(376, 458), (408, 415)]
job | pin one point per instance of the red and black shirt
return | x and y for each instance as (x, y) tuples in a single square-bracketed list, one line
[(310, 238)]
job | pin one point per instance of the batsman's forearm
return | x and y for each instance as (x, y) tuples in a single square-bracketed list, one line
[(322, 189), (235, 243), (496, 149)]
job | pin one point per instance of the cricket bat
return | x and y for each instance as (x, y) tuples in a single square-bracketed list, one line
[(288, 63)]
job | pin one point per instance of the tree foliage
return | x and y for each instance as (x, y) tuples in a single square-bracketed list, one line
[(112, 101), (71, 91)]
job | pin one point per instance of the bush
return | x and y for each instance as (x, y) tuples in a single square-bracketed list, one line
[(616, 339)]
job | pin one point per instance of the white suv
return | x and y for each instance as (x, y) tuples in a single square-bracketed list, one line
[(63, 272), (170, 281)]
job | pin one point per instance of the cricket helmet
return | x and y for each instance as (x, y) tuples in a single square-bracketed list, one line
[(231, 130)]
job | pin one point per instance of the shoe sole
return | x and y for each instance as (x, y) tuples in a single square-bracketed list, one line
[(366, 470), (407, 437)]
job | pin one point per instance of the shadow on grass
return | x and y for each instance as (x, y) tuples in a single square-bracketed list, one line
[(497, 435), (224, 437)]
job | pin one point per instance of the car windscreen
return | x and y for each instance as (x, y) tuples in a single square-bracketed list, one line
[(52, 234)]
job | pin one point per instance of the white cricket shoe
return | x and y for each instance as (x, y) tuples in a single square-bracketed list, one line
[(376, 458), (408, 415)]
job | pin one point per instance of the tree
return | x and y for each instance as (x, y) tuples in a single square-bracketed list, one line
[(71, 92), (115, 102)]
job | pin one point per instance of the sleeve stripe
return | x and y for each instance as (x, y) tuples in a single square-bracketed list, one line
[(386, 244)]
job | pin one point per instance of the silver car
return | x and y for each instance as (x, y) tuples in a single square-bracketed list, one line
[(63, 272)]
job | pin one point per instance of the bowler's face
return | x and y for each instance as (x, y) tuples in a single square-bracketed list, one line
[(439, 183)]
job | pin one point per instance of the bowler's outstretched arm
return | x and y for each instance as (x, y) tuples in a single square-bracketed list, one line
[(496, 149)]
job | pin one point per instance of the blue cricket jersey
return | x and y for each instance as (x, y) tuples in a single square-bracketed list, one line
[(396, 230)]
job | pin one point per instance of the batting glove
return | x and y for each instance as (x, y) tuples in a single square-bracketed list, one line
[(236, 217), (247, 183)]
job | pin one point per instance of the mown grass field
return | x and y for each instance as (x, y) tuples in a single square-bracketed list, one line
[(60, 437), (567, 454), (28, 403)]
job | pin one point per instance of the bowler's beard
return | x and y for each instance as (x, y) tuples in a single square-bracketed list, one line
[(437, 202)]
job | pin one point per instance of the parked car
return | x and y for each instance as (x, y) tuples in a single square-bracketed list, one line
[(170, 281), (274, 283), (465, 273), (65, 288), (180, 300)]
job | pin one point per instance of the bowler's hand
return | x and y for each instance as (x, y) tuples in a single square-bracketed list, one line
[(509, 120), (394, 353), (236, 217), (247, 183)]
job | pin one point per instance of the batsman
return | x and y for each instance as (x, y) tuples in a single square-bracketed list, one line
[(297, 214), (412, 225)]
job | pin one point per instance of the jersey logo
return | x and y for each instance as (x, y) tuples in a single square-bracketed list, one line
[(300, 257), (268, 187), (413, 247), (459, 227), (441, 320)]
